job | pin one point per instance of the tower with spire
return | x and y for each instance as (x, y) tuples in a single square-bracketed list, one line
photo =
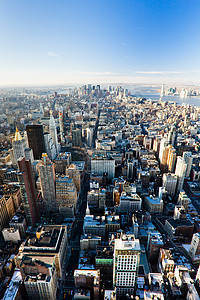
[(53, 131), (19, 144), (87, 210), (61, 125)]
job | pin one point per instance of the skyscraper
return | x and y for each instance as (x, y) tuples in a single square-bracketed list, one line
[(171, 159), (76, 137), (19, 145), (126, 264), (61, 125), (36, 139), (53, 132), (28, 191), (49, 146), (66, 195), (163, 144), (195, 245), (180, 171), (74, 173), (187, 156), (47, 182)]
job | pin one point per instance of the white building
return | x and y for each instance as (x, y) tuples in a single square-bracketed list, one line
[(28, 152), (180, 171), (49, 146), (89, 136), (53, 132), (101, 165), (188, 158), (19, 145), (129, 202), (126, 264), (11, 234), (169, 183), (163, 144), (13, 291), (195, 245), (154, 204)]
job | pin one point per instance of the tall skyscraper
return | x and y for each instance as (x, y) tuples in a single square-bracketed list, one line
[(47, 182), (171, 159), (126, 264), (53, 131), (49, 146), (172, 136), (195, 245), (74, 173), (19, 145), (188, 158), (36, 139), (76, 137), (180, 171), (163, 144), (28, 191), (61, 125), (29, 154), (66, 195), (162, 92)]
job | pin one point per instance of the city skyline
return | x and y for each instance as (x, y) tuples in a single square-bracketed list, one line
[(110, 42)]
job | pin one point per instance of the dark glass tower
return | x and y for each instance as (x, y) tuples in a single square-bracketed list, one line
[(36, 140)]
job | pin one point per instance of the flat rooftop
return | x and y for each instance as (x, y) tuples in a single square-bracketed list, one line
[(127, 243)]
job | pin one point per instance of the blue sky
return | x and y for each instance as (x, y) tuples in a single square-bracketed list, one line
[(77, 41)]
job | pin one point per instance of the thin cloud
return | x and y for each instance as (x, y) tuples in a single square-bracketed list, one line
[(97, 73), (123, 44), (52, 53), (128, 56), (158, 72)]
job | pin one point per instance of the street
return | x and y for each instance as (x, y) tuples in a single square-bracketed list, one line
[(66, 288)]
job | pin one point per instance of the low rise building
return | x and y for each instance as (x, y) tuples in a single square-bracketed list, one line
[(50, 240), (94, 225), (40, 277), (16, 289), (129, 202), (148, 295), (165, 261), (103, 164), (11, 234), (19, 222), (154, 204), (88, 279), (179, 228), (170, 183), (89, 242), (155, 242)]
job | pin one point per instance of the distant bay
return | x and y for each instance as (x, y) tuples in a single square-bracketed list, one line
[(153, 94)]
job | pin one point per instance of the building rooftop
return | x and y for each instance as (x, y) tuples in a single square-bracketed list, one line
[(18, 218), (178, 223), (127, 242), (47, 238), (13, 287), (154, 200), (91, 220)]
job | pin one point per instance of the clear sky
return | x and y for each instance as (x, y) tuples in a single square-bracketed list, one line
[(82, 41)]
